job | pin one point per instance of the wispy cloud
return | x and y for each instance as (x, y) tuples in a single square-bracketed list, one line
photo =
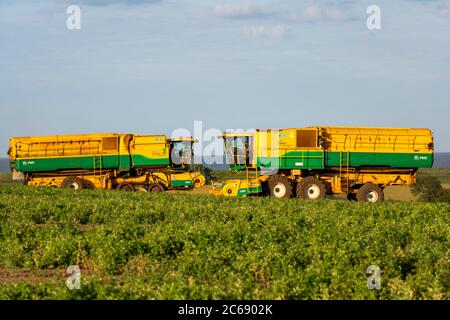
[(313, 11), (241, 11), (444, 9), (274, 32), (337, 14), (110, 2), (326, 11)]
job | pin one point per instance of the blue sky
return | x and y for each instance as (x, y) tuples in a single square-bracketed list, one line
[(154, 66)]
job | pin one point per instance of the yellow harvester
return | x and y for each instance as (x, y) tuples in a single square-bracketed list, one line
[(105, 161), (311, 162)]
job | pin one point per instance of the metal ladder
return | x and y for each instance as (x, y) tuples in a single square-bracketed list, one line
[(344, 180), (248, 179), (98, 165)]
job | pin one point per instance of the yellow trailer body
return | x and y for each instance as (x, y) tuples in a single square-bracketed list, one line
[(322, 147)]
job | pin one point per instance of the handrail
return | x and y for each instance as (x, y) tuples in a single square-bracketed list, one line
[(356, 141), (375, 143), (348, 165)]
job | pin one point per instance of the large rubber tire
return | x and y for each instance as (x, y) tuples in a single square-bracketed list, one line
[(280, 187), (265, 188), (73, 183), (311, 188), (156, 188), (140, 189), (125, 187), (88, 185), (351, 196), (370, 192)]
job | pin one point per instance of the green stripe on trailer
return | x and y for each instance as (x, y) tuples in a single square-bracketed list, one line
[(247, 191), (86, 163), (181, 183), (67, 163), (294, 160), (142, 161), (237, 167), (321, 160), (395, 160)]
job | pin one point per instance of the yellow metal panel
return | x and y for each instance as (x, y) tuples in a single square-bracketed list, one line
[(61, 146), (287, 138), (124, 148), (273, 143), (155, 146), (402, 140)]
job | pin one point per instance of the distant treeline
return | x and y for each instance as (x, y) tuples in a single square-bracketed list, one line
[(4, 165), (442, 160)]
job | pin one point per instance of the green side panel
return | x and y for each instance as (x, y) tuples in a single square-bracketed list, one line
[(143, 161), (125, 163), (87, 163), (237, 168), (317, 159), (181, 183), (395, 160), (67, 163), (294, 160), (247, 191)]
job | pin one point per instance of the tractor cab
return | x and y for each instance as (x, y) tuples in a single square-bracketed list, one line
[(239, 150), (181, 152)]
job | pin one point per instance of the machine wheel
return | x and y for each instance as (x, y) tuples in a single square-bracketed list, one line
[(73, 183), (351, 196), (199, 181), (156, 188), (125, 187), (88, 185), (228, 190), (280, 187), (311, 188), (140, 189), (370, 193)]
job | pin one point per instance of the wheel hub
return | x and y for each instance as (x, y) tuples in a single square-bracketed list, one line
[(372, 196), (279, 191), (74, 186), (313, 191)]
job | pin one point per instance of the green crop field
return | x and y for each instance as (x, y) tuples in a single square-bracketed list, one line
[(5, 178), (187, 246)]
